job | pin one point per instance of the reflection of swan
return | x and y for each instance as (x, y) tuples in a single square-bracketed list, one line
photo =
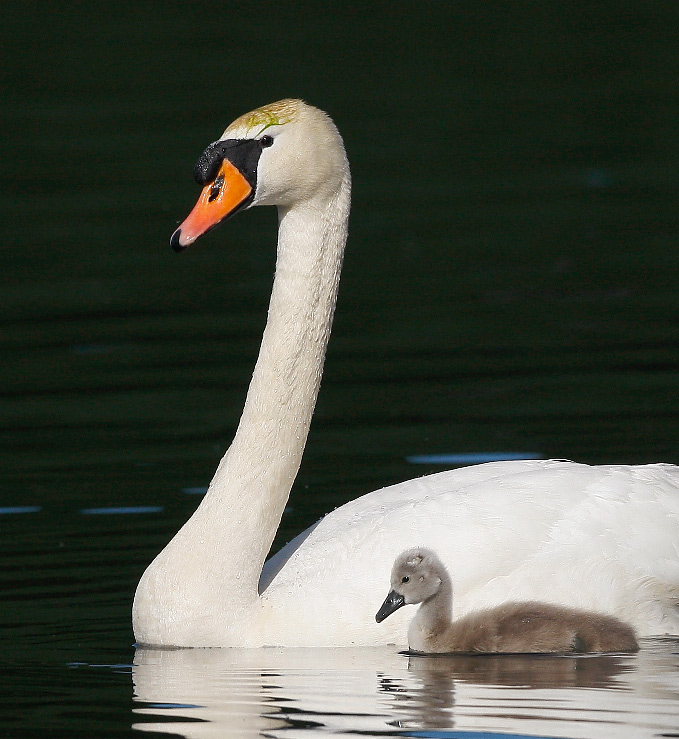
[(527, 670), (419, 576), (538, 695), (604, 538), (299, 693), (202, 693)]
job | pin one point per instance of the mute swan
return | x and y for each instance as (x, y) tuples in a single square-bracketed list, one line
[(602, 538), (419, 576)]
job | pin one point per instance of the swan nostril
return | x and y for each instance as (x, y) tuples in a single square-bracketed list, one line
[(216, 188)]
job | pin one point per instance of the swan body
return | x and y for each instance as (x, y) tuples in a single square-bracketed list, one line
[(419, 576), (601, 538)]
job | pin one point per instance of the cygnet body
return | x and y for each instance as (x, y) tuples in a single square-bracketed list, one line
[(419, 576)]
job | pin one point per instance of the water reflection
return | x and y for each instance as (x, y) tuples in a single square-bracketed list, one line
[(309, 692)]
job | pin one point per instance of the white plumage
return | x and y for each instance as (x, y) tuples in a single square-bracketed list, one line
[(601, 538)]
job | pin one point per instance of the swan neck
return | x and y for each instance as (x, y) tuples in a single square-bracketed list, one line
[(253, 481)]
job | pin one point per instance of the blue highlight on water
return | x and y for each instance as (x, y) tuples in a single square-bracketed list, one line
[(117, 511), (121, 510), (8, 510)]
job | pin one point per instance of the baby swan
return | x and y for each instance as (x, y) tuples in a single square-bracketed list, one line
[(419, 576)]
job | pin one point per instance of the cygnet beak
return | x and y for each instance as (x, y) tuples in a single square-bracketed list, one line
[(391, 603)]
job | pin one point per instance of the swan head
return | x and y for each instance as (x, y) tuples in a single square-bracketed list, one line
[(416, 576), (286, 154)]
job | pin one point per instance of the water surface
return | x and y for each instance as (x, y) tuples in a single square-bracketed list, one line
[(509, 287)]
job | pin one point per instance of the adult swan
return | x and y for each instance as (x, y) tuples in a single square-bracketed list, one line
[(600, 538)]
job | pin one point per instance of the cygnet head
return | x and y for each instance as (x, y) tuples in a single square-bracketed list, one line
[(285, 154), (416, 576)]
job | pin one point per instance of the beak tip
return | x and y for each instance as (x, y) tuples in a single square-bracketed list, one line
[(175, 241)]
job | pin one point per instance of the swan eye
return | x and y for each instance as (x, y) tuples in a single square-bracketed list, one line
[(266, 141), (405, 579)]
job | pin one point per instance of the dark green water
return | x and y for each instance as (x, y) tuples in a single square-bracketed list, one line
[(510, 280)]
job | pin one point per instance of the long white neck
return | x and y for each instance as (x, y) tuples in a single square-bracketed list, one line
[(248, 493)]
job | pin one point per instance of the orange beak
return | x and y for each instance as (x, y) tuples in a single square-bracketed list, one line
[(218, 200)]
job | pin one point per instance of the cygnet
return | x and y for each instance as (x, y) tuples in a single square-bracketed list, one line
[(419, 576)]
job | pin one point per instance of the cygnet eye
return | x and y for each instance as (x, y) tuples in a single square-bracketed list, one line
[(266, 141), (405, 578)]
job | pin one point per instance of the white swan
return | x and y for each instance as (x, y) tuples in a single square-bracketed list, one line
[(419, 577), (601, 538)]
